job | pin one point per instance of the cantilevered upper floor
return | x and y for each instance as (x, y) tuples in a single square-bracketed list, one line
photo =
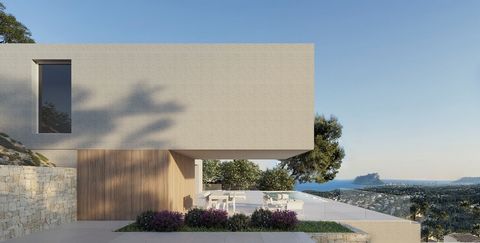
[(203, 100)]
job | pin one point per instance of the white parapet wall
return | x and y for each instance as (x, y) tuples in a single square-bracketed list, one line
[(35, 198), (198, 176)]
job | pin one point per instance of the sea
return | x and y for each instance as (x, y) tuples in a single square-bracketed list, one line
[(348, 184)]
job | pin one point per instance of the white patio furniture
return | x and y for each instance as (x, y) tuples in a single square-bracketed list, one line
[(274, 202), (217, 200), (282, 201), (240, 195), (233, 197), (231, 201), (224, 199)]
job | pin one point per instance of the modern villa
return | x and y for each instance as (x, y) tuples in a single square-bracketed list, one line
[(131, 123), (137, 116)]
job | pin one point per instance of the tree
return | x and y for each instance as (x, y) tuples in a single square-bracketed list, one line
[(212, 172), (12, 31), (239, 174), (419, 206), (413, 212), (436, 222), (425, 232), (439, 231), (277, 179), (322, 163), (476, 230)]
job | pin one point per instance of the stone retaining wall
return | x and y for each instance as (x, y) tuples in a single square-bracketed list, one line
[(357, 236), (340, 237), (35, 198)]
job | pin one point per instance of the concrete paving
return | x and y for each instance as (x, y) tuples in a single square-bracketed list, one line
[(102, 232), (315, 208)]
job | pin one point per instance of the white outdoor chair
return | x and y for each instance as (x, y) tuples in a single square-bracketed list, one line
[(274, 203), (216, 201)]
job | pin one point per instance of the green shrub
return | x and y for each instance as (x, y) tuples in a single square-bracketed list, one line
[(238, 222), (212, 172), (144, 220), (18, 154), (277, 179), (321, 226), (193, 217), (261, 218), (239, 174)]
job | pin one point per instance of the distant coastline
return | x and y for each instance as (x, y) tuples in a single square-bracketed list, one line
[(468, 180), (348, 184)]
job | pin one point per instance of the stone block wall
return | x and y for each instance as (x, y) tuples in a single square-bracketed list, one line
[(340, 237), (35, 198), (357, 236)]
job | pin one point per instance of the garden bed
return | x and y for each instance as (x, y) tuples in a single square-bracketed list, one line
[(303, 226), (200, 220)]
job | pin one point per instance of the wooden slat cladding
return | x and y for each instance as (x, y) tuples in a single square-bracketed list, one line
[(82, 201), (118, 177), (181, 184), (120, 184), (93, 169)]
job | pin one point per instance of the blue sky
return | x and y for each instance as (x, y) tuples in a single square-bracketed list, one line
[(403, 77)]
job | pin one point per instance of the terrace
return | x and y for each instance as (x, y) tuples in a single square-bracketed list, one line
[(381, 227), (314, 207)]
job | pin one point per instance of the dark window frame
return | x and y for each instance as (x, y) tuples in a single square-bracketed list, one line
[(39, 90)]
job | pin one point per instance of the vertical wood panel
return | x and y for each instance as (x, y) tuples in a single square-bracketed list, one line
[(181, 184), (97, 158), (150, 181), (162, 194), (118, 175), (125, 185), (82, 195), (119, 184), (110, 184), (137, 189), (90, 181)]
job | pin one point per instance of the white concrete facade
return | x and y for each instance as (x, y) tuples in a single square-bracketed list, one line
[(204, 100), (198, 176)]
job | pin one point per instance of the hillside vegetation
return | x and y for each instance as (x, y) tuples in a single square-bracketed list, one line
[(13, 152), (440, 209)]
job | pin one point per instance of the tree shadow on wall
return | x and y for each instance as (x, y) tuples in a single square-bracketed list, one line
[(136, 119), (139, 118), (122, 117)]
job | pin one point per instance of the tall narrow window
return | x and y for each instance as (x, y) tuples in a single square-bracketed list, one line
[(55, 97)]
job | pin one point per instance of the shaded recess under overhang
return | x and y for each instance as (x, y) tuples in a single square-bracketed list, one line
[(240, 154)]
